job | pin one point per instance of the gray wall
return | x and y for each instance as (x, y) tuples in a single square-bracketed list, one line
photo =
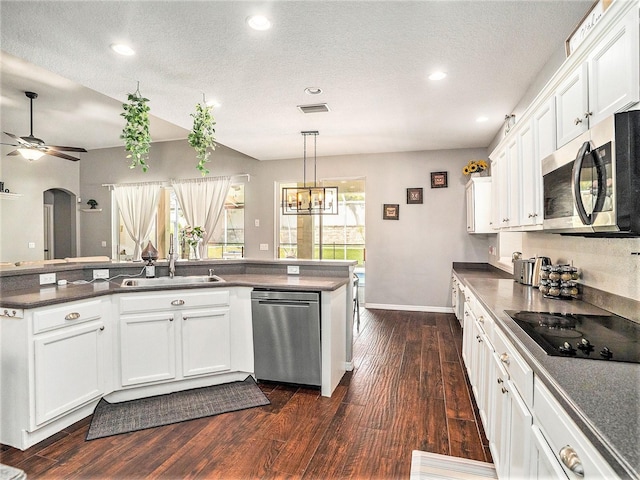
[(408, 261)]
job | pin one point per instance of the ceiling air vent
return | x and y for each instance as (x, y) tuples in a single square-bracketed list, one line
[(315, 108)]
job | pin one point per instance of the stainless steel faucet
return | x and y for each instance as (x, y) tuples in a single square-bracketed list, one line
[(172, 257)]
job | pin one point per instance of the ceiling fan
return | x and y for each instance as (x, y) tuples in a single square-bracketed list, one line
[(32, 148)]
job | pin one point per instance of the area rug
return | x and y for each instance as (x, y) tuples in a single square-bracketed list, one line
[(124, 417)]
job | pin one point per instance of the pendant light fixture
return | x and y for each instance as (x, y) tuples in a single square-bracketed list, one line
[(310, 200)]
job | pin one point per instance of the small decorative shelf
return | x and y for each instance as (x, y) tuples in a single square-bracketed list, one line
[(91, 210), (10, 196)]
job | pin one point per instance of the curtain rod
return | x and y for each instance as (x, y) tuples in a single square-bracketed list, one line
[(168, 183)]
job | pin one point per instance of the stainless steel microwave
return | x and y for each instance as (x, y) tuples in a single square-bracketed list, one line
[(592, 184)]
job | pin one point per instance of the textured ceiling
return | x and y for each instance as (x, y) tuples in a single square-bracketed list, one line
[(371, 60)]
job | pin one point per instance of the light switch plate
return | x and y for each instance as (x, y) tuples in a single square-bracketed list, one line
[(293, 270), (264, 246)]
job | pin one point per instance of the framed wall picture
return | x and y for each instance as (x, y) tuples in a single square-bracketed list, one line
[(414, 195), (438, 179), (390, 211)]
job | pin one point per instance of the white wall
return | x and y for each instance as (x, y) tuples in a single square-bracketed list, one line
[(21, 219)]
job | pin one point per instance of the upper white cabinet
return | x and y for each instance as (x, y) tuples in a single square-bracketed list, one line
[(478, 191), (608, 81)]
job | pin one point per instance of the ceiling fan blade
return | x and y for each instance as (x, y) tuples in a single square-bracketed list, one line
[(15, 152), (66, 149), (10, 144), (55, 153), (17, 139)]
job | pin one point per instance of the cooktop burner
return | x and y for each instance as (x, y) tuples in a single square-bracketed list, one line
[(596, 337)]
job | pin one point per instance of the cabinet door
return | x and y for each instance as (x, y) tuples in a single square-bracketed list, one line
[(572, 104), (544, 144), (498, 414), (544, 465), (513, 185), (467, 338), (614, 82), (69, 366), (205, 342), (471, 214), (500, 191), (147, 348), (530, 173), (520, 420)]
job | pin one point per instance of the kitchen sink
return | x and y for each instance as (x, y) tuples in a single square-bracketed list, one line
[(168, 281)]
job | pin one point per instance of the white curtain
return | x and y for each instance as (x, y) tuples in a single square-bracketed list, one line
[(138, 204), (202, 201)]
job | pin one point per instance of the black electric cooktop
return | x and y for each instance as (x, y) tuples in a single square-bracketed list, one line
[(596, 337)]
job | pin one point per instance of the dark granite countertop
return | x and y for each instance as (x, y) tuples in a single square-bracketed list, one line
[(51, 295), (602, 398)]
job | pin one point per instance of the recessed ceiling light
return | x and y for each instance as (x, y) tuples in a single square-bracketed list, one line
[(482, 119), (259, 22), (437, 76), (313, 91), (122, 49)]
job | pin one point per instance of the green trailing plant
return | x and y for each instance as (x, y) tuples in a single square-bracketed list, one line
[(135, 134), (202, 136)]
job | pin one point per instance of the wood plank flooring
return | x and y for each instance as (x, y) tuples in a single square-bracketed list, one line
[(408, 391)]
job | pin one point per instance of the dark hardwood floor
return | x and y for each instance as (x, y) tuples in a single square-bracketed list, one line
[(408, 391)]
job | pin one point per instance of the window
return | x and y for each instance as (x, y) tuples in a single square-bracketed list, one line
[(227, 240), (339, 237)]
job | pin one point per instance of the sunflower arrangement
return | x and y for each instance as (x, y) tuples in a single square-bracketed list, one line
[(475, 166)]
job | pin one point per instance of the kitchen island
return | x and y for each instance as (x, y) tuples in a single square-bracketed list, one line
[(601, 398), (66, 346)]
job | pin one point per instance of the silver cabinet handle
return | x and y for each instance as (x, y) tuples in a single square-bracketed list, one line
[(571, 459), (500, 381), (72, 316), (577, 121), (504, 390), (102, 328), (177, 303), (170, 319), (481, 319), (504, 358), (587, 114)]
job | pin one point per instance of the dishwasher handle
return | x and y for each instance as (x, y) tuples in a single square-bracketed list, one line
[(288, 303)]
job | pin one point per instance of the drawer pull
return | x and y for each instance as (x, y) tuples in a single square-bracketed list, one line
[(102, 328), (72, 316), (177, 303), (571, 459), (481, 319), (170, 319), (504, 358), (504, 390), (500, 381)]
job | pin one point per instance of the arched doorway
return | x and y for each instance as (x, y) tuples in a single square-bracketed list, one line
[(59, 223)]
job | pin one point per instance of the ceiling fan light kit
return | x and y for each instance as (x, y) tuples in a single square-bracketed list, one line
[(310, 200), (33, 148)]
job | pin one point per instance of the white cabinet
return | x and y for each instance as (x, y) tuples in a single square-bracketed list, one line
[(69, 369), (500, 189), (147, 348), (172, 335), (605, 83), (56, 364), (478, 193), (205, 341), (560, 446)]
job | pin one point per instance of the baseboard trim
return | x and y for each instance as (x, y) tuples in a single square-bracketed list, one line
[(410, 308)]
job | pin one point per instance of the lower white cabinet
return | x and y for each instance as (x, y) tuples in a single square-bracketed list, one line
[(69, 366), (171, 335)]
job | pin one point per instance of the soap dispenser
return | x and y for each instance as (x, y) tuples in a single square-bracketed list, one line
[(150, 255)]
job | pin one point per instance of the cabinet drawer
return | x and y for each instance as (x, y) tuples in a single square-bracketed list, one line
[(65, 315), (519, 371), (174, 299), (560, 432), (484, 320)]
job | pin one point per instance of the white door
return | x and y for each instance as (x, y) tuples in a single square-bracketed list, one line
[(69, 366), (49, 253), (205, 342), (148, 348)]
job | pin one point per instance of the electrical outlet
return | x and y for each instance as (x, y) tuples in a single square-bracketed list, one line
[(32, 245), (264, 246), (103, 243), (257, 222), (47, 278), (293, 270), (102, 273)]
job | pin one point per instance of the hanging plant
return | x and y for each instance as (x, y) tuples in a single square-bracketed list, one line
[(135, 134), (202, 136)]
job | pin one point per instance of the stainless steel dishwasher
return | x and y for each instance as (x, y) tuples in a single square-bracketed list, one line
[(286, 336)]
